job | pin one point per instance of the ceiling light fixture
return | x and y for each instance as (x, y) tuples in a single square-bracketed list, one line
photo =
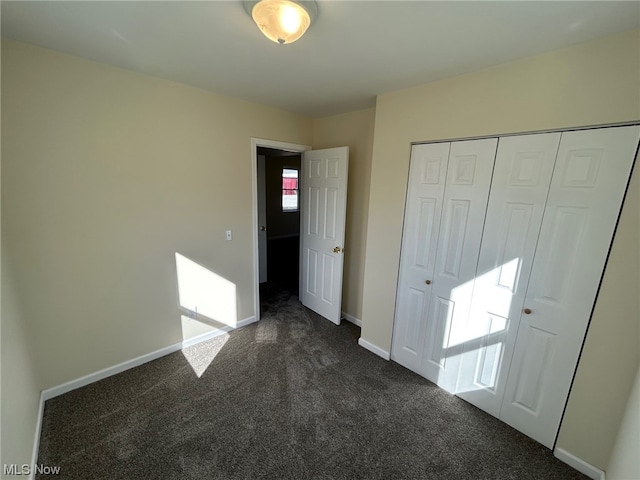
[(282, 21)]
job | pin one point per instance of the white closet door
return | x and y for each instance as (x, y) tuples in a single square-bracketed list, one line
[(591, 172), (464, 206), (423, 209), (522, 174)]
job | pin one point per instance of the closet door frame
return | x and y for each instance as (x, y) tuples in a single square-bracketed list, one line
[(634, 160)]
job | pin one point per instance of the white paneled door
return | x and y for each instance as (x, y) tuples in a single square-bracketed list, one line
[(322, 230), (446, 202), (428, 172), (463, 209), (591, 173), (522, 173)]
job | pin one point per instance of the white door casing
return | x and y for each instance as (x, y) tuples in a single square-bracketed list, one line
[(322, 230), (255, 143), (590, 177), (522, 173)]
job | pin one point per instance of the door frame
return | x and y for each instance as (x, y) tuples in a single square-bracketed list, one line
[(255, 143)]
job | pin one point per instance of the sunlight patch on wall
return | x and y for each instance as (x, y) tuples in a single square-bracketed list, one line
[(205, 293), (192, 328)]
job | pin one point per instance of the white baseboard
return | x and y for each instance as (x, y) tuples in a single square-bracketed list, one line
[(373, 348), (135, 362), (216, 333), (352, 319), (579, 464)]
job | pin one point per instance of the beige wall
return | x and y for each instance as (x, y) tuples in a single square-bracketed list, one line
[(591, 83), (354, 130), (20, 388), (106, 175), (625, 463), (19, 392)]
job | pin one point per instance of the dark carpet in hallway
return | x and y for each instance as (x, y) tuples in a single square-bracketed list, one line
[(290, 397)]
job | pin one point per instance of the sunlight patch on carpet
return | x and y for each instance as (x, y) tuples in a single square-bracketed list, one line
[(267, 332), (201, 356)]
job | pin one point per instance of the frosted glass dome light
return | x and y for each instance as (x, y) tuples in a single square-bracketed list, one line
[(282, 21)]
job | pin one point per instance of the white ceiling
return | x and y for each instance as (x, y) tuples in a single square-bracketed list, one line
[(354, 50)]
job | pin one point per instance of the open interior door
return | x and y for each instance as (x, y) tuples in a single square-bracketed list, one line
[(262, 219), (322, 225)]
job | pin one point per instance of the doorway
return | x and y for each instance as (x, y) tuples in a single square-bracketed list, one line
[(279, 223), (322, 180), (276, 246)]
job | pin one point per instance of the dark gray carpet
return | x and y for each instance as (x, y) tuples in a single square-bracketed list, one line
[(291, 397)]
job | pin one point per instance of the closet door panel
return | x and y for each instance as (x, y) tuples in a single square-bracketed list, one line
[(423, 210), (591, 173), (522, 174), (464, 205)]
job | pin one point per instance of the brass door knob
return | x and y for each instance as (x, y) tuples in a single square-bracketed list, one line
[(338, 250), (527, 311), (428, 282)]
